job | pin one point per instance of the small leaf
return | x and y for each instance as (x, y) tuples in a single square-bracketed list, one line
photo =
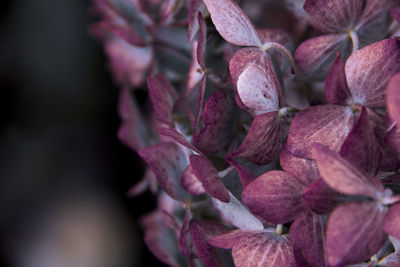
[(336, 89), (275, 196), (232, 23)]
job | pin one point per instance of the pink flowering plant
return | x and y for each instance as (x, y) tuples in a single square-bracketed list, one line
[(269, 140)]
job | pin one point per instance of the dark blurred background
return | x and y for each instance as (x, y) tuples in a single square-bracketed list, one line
[(64, 175)]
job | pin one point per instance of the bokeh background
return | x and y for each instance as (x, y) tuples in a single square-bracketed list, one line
[(64, 175)]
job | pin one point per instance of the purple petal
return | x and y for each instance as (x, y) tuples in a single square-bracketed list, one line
[(194, 8), (361, 148), (395, 12), (185, 241), (257, 248), (333, 15), (304, 169), (369, 69), (340, 175), (177, 137), (191, 183), (328, 125), (235, 213), (336, 89), (391, 222), (354, 233), (167, 162), (201, 232), (162, 98), (315, 56), (393, 98), (322, 199), (307, 235), (263, 141), (246, 176), (275, 196), (125, 32), (201, 48), (232, 23), (208, 176), (217, 130), (195, 71)]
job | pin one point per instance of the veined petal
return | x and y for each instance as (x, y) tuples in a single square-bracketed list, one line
[(393, 98), (275, 196), (369, 69), (336, 89), (246, 176)]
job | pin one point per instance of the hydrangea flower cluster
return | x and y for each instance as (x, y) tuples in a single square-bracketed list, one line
[(272, 131)]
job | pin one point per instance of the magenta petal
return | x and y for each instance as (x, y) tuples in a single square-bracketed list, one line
[(369, 69), (196, 73), (194, 8), (336, 89), (201, 48), (395, 12), (393, 98), (237, 214), (392, 139), (232, 23), (208, 176), (340, 175), (162, 98), (217, 130), (307, 235), (322, 199), (246, 176), (191, 183), (333, 15), (275, 196), (304, 169), (391, 223), (263, 140), (184, 240), (177, 137), (315, 56), (361, 148), (354, 233), (257, 248), (167, 162), (328, 125)]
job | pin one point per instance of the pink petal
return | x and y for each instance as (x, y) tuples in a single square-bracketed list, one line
[(125, 32), (162, 98), (354, 233), (232, 23), (275, 196), (191, 183), (246, 176), (167, 162), (336, 89), (340, 175), (194, 8), (195, 71), (369, 69), (391, 222), (333, 15), (328, 125), (177, 137), (361, 148), (315, 56), (217, 130), (307, 235), (257, 248), (393, 98), (392, 139), (208, 176), (304, 169), (263, 140)]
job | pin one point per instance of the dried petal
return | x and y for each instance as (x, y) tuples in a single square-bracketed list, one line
[(336, 89), (232, 23), (275, 196), (393, 98), (177, 137), (392, 221), (354, 233), (191, 183), (194, 8), (184, 240), (246, 176)]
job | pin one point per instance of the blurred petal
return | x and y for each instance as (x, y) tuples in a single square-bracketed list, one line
[(195, 71), (395, 12), (333, 15), (392, 139), (167, 161), (328, 125), (391, 223), (201, 48), (263, 141), (177, 137), (235, 213), (322, 199), (191, 183), (217, 130), (336, 89), (315, 56), (369, 69), (208, 176), (184, 241), (194, 8), (232, 23), (340, 175), (393, 98), (257, 248), (354, 233), (275, 196), (307, 234)]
